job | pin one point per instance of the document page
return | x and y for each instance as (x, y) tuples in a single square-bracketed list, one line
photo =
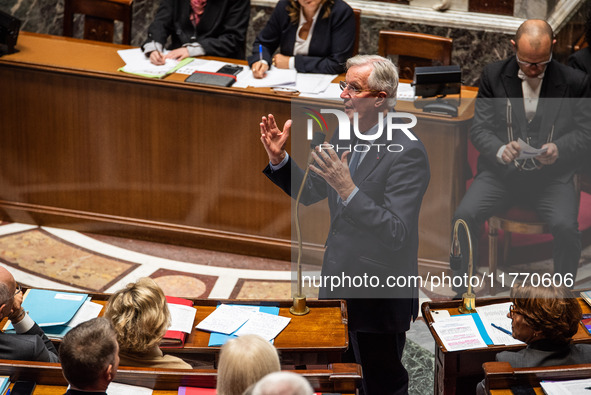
[(459, 333), (268, 326), (497, 314), (226, 319), (527, 151), (126, 389), (181, 317)]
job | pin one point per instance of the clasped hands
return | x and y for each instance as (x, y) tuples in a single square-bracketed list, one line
[(512, 151), (327, 164)]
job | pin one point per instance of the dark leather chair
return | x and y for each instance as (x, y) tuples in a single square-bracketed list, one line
[(414, 49), (99, 18)]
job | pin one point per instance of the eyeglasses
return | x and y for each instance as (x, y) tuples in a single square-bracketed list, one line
[(18, 289), (353, 90), (529, 64)]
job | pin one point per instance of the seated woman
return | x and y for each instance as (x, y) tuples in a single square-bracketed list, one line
[(315, 36), (546, 319), (140, 316), (197, 28), (244, 361)]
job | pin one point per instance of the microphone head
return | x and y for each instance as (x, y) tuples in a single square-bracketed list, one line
[(317, 139)]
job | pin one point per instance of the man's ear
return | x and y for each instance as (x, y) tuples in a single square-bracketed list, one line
[(380, 99), (110, 373), (514, 46), (2, 311)]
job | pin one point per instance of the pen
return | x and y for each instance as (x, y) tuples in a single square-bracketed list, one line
[(8, 392), (501, 329), (260, 52)]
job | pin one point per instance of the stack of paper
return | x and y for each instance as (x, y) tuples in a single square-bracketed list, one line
[(568, 387), (4, 383), (229, 321), (56, 312), (182, 316), (137, 63)]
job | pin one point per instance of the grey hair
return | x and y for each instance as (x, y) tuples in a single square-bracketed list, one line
[(283, 383), (383, 77), (5, 293)]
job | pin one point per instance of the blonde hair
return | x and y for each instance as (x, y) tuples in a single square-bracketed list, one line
[(139, 314), (243, 362)]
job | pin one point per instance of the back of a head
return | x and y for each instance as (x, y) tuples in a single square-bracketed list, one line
[(554, 311), (139, 314), (283, 383), (244, 361), (86, 352)]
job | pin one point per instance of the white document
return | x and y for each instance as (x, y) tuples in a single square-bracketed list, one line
[(268, 326), (126, 389), (527, 151), (86, 312), (274, 77), (439, 315), (459, 333), (406, 92), (137, 63), (226, 319), (332, 92), (569, 387), (313, 83), (202, 65), (181, 317), (497, 314)]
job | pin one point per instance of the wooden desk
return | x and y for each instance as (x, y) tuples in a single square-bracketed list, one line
[(319, 337), (88, 148), (339, 377), (458, 372), (500, 376)]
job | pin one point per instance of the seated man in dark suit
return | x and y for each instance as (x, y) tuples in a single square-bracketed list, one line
[(530, 97), (90, 357), (29, 343), (581, 59)]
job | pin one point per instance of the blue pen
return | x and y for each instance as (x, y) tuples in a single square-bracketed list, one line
[(260, 52), (502, 329), (8, 392)]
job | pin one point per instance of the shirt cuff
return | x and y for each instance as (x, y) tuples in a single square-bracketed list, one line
[(152, 46), (195, 49), (500, 154), (345, 202), (292, 62), (24, 325), (280, 164)]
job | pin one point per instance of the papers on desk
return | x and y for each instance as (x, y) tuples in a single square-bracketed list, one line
[(56, 312), (4, 383), (126, 389), (229, 321), (137, 63), (467, 331), (568, 387)]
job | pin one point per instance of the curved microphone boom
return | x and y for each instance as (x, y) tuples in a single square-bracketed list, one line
[(299, 299)]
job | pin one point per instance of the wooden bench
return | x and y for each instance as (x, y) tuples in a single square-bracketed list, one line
[(337, 378), (501, 376)]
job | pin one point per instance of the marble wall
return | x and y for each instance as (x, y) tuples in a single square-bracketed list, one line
[(471, 49)]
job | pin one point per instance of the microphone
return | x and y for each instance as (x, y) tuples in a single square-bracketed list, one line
[(299, 300)]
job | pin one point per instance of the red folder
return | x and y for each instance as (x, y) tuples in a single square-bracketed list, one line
[(175, 339)]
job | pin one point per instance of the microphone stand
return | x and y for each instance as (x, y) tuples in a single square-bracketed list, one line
[(468, 298), (299, 299)]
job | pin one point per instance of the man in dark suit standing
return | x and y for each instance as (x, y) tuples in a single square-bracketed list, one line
[(374, 202), (530, 97), (29, 343)]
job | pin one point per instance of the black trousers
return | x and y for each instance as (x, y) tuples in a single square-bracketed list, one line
[(554, 201), (380, 357)]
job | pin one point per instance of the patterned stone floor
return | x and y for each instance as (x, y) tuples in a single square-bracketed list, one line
[(63, 259)]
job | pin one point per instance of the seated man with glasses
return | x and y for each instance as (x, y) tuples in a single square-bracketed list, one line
[(532, 98), (29, 343), (546, 319)]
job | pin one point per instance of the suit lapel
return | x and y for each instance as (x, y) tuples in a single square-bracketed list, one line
[(512, 85), (553, 87)]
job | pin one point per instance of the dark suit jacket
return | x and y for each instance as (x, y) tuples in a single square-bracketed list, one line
[(376, 234), (30, 346), (568, 118), (543, 353), (330, 46), (581, 60), (221, 30)]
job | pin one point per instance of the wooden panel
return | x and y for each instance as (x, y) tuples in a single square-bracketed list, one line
[(88, 148), (498, 7)]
